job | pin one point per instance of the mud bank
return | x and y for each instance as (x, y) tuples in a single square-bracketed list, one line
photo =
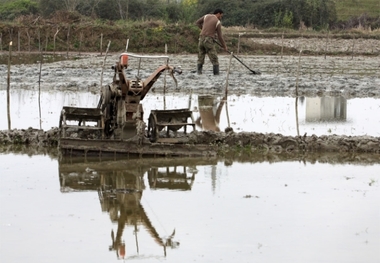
[(221, 143)]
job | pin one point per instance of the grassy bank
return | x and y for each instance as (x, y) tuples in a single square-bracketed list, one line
[(347, 9), (35, 35)]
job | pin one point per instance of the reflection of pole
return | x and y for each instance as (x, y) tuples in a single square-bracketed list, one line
[(9, 84), (137, 242)]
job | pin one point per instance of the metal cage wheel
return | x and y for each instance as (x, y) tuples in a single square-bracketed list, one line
[(152, 128)]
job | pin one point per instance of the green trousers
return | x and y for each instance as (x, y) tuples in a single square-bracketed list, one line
[(206, 45)]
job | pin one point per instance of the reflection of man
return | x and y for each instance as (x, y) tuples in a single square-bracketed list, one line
[(209, 119)]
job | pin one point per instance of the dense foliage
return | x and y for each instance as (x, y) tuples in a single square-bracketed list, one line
[(13, 9), (316, 14)]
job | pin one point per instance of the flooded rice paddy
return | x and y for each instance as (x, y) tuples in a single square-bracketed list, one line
[(186, 210), (314, 115), (256, 208)]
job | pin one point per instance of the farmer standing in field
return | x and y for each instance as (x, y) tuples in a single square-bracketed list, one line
[(210, 26)]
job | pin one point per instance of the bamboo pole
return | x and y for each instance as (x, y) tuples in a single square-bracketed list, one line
[(39, 90), (104, 62), (296, 104), (226, 91), (9, 85), (228, 74)]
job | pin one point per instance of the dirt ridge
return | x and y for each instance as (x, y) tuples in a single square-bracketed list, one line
[(223, 142)]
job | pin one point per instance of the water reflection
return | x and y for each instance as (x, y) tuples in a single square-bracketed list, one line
[(326, 109), (210, 110), (338, 115), (120, 186), (172, 178)]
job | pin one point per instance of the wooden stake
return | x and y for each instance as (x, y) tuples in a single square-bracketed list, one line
[(39, 90), (9, 86), (226, 91), (228, 74), (296, 104)]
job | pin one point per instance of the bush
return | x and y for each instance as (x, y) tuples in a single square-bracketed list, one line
[(11, 10)]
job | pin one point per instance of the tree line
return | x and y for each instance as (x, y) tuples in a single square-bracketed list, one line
[(315, 14)]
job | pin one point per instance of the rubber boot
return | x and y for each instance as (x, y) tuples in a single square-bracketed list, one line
[(199, 68), (215, 69)]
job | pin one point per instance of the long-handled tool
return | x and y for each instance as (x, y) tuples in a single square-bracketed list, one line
[(256, 72)]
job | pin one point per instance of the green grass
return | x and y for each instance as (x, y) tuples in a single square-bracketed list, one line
[(353, 8)]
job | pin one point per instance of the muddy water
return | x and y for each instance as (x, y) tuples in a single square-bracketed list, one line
[(187, 211), (316, 115), (262, 209)]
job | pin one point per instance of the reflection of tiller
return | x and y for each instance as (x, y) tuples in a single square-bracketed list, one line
[(119, 114), (120, 187)]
